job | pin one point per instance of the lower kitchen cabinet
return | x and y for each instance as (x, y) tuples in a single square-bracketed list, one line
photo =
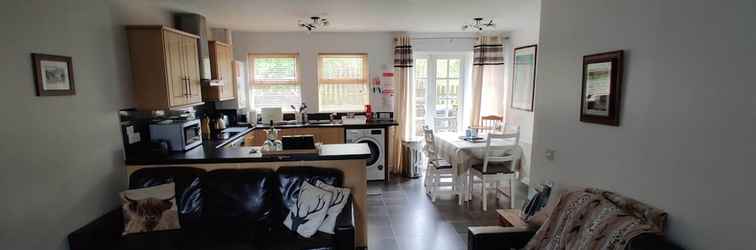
[(322, 135)]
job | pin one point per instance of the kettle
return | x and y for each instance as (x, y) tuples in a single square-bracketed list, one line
[(219, 123)]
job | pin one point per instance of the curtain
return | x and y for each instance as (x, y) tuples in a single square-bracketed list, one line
[(488, 70), (402, 72)]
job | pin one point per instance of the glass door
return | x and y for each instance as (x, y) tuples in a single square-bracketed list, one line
[(437, 92)]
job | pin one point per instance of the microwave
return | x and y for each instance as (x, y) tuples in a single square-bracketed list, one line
[(181, 135)]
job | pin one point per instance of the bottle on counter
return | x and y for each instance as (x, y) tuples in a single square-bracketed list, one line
[(205, 127), (369, 112)]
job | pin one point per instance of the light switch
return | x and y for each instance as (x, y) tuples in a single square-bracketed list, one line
[(550, 154)]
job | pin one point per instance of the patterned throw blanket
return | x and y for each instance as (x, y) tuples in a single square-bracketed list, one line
[(596, 219)]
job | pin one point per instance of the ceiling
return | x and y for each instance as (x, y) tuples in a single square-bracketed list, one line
[(351, 15)]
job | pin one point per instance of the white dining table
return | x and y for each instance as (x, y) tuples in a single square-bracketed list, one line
[(462, 153)]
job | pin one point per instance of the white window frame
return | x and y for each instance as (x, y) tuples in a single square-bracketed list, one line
[(251, 61), (364, 81), (252, 82), (430, 89)]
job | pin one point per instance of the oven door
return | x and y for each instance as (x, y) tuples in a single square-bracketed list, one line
[(192, 136)]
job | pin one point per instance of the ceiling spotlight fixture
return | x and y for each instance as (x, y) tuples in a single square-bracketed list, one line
[(315, 23), (479, 24)]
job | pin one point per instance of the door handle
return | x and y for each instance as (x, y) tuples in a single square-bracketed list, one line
[(186, 85)]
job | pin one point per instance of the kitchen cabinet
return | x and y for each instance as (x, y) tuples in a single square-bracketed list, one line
[(164, 67), (325, 135), (222, 86)]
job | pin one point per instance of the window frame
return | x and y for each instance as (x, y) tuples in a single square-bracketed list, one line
[(251, 82), (431, 88), (321, 81), (251, 61)]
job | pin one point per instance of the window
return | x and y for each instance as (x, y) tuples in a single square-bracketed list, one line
[(274, 81), (342, 82), (437, 97)]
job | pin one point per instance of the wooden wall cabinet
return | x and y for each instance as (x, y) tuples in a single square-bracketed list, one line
[(325, 135), (222, 86), (164, 67)]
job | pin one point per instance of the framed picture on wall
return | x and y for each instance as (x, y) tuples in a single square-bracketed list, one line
[(601, 88), (523, 79), (53, 75)]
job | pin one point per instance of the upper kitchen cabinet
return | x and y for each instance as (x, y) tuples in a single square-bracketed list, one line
[(164, 67), (222, 86)]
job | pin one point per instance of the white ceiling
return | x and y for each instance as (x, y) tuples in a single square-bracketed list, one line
[(352, 15)]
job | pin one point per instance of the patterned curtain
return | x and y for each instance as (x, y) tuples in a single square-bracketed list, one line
[(402, 71), (488, 60)]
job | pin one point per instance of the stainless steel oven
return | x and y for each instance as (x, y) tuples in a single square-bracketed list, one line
[(181, 135)]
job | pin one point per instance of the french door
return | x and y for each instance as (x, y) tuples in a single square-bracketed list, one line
[(437, 92)]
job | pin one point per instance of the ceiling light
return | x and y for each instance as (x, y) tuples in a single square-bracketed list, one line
[(479, 24), (314, 23)]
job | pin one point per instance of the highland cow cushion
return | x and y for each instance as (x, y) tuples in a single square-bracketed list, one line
[(149, 209), (309, 211), (338, 201)]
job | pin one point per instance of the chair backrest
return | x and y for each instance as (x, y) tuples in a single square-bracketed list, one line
[(490, 123), (502, 148), (430, 144)]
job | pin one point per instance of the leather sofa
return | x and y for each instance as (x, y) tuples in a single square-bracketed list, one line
[(223, 209)]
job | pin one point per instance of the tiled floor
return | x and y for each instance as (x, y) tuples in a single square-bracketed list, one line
[(402, 216)]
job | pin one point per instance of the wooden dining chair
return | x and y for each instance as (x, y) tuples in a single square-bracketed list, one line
[(498, 165), (439, 169), (490, 123)]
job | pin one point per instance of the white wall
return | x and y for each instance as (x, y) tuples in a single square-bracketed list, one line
[(524, 36), (62, 164), (378, 45), (686, 137)]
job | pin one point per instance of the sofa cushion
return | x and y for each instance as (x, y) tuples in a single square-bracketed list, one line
[(338, 201), (188, 190), (167, 240), (238, 201), (290, 180), (283, 239), (310, 210), (150, 209)]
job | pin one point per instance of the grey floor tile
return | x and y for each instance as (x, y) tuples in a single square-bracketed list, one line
[(403, 217)]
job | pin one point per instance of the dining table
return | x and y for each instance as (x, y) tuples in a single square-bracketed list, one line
[(462, 154)]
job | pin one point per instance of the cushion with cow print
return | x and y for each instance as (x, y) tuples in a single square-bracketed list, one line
[(338, 201), (309, 211), (150, 209)]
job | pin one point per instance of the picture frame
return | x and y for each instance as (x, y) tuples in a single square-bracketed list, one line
[(53, 75), (601, 90), (523, 77)]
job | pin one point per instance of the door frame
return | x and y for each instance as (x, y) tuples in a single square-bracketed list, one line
[(430, 93)]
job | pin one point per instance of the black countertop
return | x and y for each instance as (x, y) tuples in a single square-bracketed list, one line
[(214, 150), (208, 155), (370, 124)]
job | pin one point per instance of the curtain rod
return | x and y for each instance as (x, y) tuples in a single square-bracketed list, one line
[(441, 38)]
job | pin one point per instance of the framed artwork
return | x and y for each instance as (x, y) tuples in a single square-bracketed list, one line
[(601, 88), (523, 79), (53, 75)]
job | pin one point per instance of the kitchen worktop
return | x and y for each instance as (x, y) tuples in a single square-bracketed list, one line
[(206, 155), (370, 124), (215, 150)]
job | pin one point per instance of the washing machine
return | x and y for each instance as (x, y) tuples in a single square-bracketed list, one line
[(375, 139)]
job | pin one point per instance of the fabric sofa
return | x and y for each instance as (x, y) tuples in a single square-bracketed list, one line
[(587, 217), (223, 209)]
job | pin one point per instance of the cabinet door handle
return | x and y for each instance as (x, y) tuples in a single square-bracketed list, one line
[(189, 85), (186, 91)]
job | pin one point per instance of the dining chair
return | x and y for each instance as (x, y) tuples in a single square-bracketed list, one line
[(439, 169), (490, 123), (498, 165)]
